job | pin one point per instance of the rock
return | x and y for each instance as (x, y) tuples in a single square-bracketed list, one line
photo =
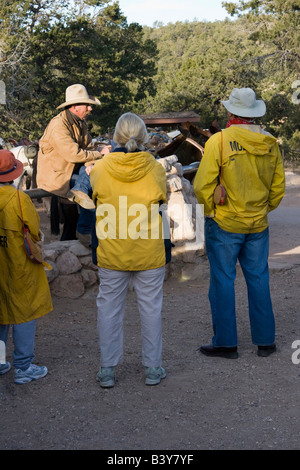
[(87, 262), (174, 183), (51, 254), (167, 162), (68, 263), (79, 249), (179, 169), (69, 286), (181, 214), (89, 277), (53, 273)]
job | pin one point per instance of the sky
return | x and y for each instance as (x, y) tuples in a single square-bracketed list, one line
[(146, 12)]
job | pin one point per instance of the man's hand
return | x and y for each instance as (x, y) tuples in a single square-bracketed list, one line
[(105, 150)]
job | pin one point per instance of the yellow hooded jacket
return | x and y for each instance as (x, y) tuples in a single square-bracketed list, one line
[(24, 288), (253, 177), (128, 189)]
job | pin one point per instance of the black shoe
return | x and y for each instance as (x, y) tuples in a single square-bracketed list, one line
[(210, 350), (265, 351)]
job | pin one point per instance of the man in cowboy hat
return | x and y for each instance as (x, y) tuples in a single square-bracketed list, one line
[(64, 148), (249, 162)]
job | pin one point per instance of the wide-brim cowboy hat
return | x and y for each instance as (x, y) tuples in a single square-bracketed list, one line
[(242, 102), (10, 167), (77, 94)]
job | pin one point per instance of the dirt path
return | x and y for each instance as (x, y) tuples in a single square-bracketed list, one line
[(204, 403)]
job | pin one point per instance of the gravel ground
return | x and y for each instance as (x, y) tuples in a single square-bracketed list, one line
[(204, 403)]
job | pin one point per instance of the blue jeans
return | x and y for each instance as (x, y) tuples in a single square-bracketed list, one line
[(23, 339), (81, 182), (252, 250)]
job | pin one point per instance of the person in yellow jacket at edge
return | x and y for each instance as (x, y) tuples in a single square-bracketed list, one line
[(24, 290), (129, 186), (236, 228)]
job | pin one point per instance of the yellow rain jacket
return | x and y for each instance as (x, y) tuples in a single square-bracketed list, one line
[(128, 188), (253, 177), (24, 288)]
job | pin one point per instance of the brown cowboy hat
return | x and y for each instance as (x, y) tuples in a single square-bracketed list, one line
[(10, 167), (77, 94)]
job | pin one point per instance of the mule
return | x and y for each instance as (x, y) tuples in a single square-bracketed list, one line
[(27, 154)]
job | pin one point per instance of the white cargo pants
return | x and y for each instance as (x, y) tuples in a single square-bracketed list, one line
[(111, 299)]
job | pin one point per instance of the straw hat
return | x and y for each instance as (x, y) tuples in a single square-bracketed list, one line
[(10, 167), (77, 94), (242, 102)]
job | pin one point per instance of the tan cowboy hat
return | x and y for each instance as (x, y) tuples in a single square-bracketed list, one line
[(242, 102), (77, 94), (10, 167)]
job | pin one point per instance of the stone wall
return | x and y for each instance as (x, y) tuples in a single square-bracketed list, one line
[(74, 275)]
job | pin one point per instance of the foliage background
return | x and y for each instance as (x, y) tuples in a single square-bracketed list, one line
[(48, 45)]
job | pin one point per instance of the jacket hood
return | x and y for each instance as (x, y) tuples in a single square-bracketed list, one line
[(128, 167), (252, 138), (7, 192)]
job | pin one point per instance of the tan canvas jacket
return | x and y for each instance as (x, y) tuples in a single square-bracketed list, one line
[(61, 148)]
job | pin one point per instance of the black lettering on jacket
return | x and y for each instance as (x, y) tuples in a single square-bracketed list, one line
[(3, 241), (235, 146)]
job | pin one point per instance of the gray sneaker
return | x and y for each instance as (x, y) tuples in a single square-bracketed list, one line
[(4, 368), (154, 375), (32, 373), (106, 377)]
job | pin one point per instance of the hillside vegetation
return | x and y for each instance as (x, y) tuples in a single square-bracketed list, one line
[(45, 46)]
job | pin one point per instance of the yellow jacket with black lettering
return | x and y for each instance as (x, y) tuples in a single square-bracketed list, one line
[(253, 177), (128, 189), (24, 288)]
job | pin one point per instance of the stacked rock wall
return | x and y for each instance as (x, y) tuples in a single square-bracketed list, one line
[(74, 275)]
